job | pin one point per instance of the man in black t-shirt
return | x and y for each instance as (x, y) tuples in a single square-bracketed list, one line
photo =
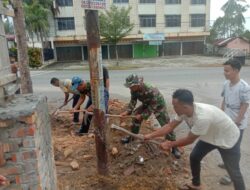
[(84, 88), (106, 82)]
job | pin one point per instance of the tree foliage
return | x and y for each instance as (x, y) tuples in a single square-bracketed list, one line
[(232, 23), (246, 34), (36, 18), (115, 25)]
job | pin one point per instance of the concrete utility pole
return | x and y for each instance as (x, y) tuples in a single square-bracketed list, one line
[(97, 89)]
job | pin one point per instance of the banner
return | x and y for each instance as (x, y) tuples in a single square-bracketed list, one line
[(154, 36)]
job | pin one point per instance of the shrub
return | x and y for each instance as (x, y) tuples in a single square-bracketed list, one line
[(34, 57), (33, 53), (13, 52)]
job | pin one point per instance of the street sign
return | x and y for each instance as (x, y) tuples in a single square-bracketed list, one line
[(154, 36), (155, 43), (94, 4)]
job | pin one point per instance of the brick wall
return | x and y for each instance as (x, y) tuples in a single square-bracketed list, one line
[(26, 151)]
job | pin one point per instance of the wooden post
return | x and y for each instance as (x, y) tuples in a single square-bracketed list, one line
[(97, 89)]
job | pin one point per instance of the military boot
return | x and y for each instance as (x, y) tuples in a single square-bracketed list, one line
[(176, 153), (126, 140)]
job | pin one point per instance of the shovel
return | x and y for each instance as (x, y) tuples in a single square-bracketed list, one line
[(60, 107), (91, 113), (138, 136)]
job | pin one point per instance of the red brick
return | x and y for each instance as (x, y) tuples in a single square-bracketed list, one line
[(10, 147), (6, 147), (18, 179), (30, 131), (2, 159), (36, 187), (30, 166), (9, 170), (6, 123), (29, 155), (14, 157), (28, 119), (31, 177), (18, 132), (28, 143)]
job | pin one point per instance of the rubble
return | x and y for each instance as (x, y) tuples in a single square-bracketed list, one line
[(142, 166), (114, 151), (74, 165), (68, 152)]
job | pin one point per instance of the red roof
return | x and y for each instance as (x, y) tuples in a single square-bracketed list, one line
[(224, 42)]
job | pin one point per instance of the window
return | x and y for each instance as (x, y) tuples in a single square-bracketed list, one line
[(147, 1), (64, 3), (66, 23), (198, 2), (120, 1), (147, 20), (172, 1), (173, 20), (197, 20)]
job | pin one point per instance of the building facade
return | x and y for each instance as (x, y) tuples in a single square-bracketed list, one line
[(185, 24)]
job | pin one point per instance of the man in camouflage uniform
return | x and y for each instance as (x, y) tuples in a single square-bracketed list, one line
[(152, 102)]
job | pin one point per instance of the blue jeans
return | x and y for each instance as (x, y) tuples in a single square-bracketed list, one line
[(230, 157)]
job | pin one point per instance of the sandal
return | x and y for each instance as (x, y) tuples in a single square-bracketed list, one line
[(225, 180), (222, 166), (189, 187)]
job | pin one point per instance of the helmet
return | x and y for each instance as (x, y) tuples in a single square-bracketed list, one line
[(75, 82), (132, 80)]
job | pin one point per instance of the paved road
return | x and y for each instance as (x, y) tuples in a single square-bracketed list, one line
[(205, 82)]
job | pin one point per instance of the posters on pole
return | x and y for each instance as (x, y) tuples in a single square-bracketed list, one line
[(94, 4)]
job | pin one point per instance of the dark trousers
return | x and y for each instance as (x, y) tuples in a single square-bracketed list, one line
[(86, 121), (161, 116), (230, 157), (76, 114)]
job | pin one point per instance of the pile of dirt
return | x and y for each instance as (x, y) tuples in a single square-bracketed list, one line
[(137, 165)]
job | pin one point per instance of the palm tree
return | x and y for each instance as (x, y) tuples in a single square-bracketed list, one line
[(22, 48), (36, 19), (233, 18)]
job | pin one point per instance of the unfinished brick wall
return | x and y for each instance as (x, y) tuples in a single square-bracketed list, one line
[(26, 151)]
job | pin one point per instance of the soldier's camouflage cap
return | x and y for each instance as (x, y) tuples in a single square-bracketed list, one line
[(132, 80)]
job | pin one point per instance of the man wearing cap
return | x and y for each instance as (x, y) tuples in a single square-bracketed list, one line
[(152, 102), (84, 88), (65, 86)]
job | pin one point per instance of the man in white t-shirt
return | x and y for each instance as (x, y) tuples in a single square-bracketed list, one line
[(213, 128), (65, 86), (236, 99)]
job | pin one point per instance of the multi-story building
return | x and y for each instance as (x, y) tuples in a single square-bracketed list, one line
[(185, 24)]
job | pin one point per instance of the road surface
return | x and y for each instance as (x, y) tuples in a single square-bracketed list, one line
[(205, 82)]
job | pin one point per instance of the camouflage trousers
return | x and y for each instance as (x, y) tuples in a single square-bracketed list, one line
[(161, 115)]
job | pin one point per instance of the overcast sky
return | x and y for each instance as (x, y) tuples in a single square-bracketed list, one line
[(216, 11)]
